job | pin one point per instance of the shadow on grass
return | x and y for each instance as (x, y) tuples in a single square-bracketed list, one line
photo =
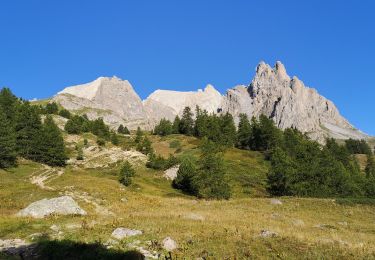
[(68, 250)]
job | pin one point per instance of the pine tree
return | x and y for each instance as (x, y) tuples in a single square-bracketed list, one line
[(163, 128), (370, 166), (211, 180), (144, 146), (176, 125), (280, 174), (28, 128), (201, 126), (123, 130), (138, 135), (100, 129), (244, 132), (8, 153), (126, 174), (187, 122), (75, 125), (65, 113), (114, 139), (52, 108), (8, 103), (51, 146), (228, 130), (185, 176)]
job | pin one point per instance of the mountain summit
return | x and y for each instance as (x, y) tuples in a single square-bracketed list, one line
[(272, 92)]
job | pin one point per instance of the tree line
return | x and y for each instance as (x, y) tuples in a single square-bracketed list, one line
[(23, 133), (299, 165)]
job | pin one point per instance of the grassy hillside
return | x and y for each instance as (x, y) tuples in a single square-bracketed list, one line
[(306, 228)]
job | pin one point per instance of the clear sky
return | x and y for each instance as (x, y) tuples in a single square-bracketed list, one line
[(330, 45)]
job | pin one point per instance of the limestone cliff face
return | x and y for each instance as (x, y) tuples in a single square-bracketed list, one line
[(112, 99), (289, 103), (272, 92), (209, 99)]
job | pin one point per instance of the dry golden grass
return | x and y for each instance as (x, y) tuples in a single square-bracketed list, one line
[(307, 228)]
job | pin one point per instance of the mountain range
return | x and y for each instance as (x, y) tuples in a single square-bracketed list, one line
[(272, 92)]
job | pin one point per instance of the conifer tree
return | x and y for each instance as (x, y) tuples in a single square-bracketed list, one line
[(163, 128), (280, 174), (74, 125), (211, 181), (370, 166), (51, 146), (52, 108), (126, 174), (187, 122), (228, 130), (8, 103), (185, 176), (114, 138), (244, 132), (144, 146), (176, 125), (8, 153), (138, 135), (65, 113), (201, 126), (28, 128)]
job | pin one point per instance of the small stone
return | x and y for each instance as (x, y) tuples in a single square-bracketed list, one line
[(171, 173), (55, 228), (169, 244), (343, 223), (121, 233), (194, 216), (276, 202), (124, 200), (298, 222), (73, 226), (268, 233)]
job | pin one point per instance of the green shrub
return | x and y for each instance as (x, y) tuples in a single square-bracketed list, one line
[(126, 174), (185, 176), (157, 162), (100, 142), (65, 113)]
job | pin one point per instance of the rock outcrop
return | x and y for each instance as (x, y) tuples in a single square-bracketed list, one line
[(290, 104), (272, 92), (112, 99), (208, 99), (64, 205)]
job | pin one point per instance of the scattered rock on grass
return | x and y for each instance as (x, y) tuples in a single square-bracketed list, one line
[(121, 233), (14, 246), (194, 216), (276, 202), (268, 233), (298, 222), (171, 173), (169, 244), (64, 205)]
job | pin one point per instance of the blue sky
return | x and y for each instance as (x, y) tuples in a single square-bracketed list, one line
[(183, 45)]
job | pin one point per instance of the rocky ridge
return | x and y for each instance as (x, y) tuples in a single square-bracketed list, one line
[(271, 92)]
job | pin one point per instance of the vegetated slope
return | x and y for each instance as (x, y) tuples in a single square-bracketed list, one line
[(302, 228)]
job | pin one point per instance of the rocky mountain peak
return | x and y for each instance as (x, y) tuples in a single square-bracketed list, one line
[(272, 92)]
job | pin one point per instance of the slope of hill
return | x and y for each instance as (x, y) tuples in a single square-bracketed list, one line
[(266, 228)]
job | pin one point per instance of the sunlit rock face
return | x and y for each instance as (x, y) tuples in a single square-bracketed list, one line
[(208, 99), (272, 92), (289, 103), (112, 99)]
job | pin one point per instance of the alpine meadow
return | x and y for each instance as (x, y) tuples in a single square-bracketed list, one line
[(102, 167)]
